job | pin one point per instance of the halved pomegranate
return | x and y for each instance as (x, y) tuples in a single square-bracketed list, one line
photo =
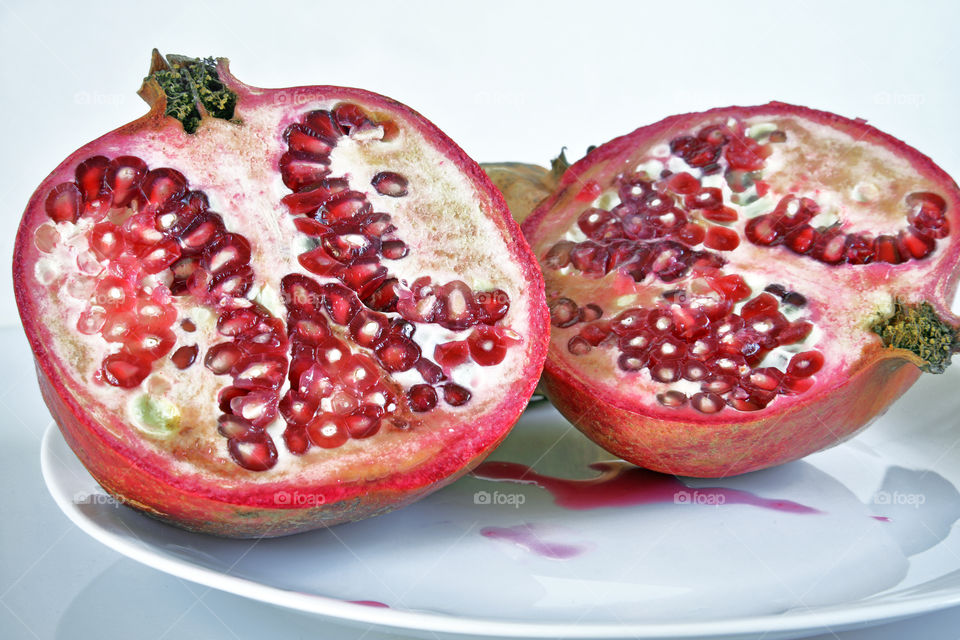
[(734, 289), (235, 304)]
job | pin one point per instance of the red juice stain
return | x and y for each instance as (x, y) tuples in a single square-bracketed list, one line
[(621, 484), (526, 537), (370, 603), (881, 518)]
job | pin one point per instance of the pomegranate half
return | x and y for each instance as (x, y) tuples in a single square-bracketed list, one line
[(738, 288), (261, 311)]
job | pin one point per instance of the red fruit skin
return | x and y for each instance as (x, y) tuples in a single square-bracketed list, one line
[(712, 448), (134, 474), (724, 444)]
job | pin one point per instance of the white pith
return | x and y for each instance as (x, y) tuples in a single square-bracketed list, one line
[(859, 185), (443, 220)]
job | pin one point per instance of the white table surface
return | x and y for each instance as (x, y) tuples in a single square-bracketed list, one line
[(506, 80)]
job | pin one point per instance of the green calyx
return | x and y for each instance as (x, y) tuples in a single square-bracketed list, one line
[(192, 89), (918, 329)]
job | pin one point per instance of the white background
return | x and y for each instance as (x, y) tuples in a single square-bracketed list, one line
[(506, 80)]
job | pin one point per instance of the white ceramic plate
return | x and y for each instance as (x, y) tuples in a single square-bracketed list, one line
[(856, 535)]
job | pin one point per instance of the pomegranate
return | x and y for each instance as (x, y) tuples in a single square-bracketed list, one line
[(242, 305), (738, 288)]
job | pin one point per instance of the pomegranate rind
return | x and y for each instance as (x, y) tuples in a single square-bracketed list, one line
[(122, 462), (732, 442)]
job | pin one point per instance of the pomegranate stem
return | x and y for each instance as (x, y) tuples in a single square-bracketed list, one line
[(918, 329), (192, 89)]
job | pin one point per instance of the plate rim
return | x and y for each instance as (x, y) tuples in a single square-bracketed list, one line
[(832, 617)]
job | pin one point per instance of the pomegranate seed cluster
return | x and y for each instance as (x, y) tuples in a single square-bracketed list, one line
[(153, 240)]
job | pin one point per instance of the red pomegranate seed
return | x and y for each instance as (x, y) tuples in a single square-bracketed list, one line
[(593, 220), (385, 298), (369, 328), (558, 256), (492, 306), (451, 354), (222, 357), (312, 384), (802, 239), (229, 251), (455, 395), (564, 312), (63, 203), (706, 198), (297, 409), (721, 239), (363, 422), (184, 356), (590, 312), (90, 178), (578, 346), (163, 185), (694, 371), (296, 440), (358, 372), (660, 321), (761, 304), (860, 249), (311, 227), (91, 320), (203, 233), (723, 215), (253, 456), (830, 248), (422, 397), (309, 199), (233, 283), (320, 262), (683, 183), (692, 234), (913, 244), (733, 287), (259, 407), (390, 184), (887, 251), (398, 353), (125, 370), (323, 124), (707, 402), (928, 214), (796, 386), (703, 347), (457, 307), (632, 360), (590, 258), (668, 370), (765, 379), (260, 371), (303, 170), (350, 117), (364, 276), (796, 332), (302, 139), (745, 154), (349, 245), (762, 231), (589, 192), (327, 431), (429, 371), (106, 240), (236, 321), (718, 383), (394, 249), (117, 326), (672, 398), (421, 303), (150, 343), (160, 257), (238, 428), (344, 206), (488, 345), (114, 294), (595, 333), (123, 177), (804, 365), (340, 303)]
